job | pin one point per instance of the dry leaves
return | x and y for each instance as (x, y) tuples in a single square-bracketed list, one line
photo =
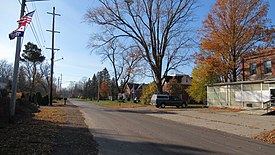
[(33, 135), (268, 136)]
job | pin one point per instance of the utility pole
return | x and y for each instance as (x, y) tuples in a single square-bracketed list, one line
[(52, 59), (16, 61), (60, 84), (16, 65)]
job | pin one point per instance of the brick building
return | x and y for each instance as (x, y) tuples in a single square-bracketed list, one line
[(258, 65)]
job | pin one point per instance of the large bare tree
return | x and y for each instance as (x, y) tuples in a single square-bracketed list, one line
[(126, 62), (159, 28), (234, 28)]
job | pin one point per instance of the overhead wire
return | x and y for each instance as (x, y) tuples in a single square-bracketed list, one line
[(39, 25), (38, 36), (34, 32)]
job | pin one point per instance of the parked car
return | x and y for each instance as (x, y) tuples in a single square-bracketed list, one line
[(162, 100)]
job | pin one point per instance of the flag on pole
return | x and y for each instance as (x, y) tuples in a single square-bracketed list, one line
[(22, 22)]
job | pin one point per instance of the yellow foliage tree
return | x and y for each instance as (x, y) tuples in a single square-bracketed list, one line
[(147, 92)]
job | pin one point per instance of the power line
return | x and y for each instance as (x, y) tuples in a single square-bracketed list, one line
[(39, 24), (35, 34)]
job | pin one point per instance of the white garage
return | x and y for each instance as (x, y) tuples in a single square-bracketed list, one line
[(253, 94)]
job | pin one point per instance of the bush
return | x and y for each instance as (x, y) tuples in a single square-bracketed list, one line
[(147, 93), (45, 100), (38, 97)]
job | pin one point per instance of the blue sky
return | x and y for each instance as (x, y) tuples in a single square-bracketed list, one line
[(73, 37)]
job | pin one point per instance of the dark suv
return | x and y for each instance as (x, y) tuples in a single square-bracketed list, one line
[(162, 100)]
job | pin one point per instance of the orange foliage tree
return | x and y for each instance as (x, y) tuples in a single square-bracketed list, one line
[(105, 83), (232, 29)]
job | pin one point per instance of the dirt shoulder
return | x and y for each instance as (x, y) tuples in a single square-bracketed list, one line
[(54, 130)]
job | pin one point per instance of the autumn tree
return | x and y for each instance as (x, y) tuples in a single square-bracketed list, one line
[(147, 92), (105, 89), (159, 28), (33, 56), (201, 76), (232, 29)]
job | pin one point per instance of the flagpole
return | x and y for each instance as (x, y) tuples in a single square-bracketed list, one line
[(16, 66)]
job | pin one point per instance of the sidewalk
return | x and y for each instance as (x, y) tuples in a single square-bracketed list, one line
[(238, 123)]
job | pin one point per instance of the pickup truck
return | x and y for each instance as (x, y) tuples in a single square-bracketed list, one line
[(162, 100)]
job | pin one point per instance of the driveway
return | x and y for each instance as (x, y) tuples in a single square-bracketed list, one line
[(238, 123)]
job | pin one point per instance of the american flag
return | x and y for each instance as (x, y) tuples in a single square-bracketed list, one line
[(23, 21), (26, 19)]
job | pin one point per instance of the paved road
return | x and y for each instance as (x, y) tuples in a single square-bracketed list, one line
[(242, 123), (132, 132)]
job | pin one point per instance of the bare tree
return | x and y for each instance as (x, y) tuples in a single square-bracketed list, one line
[(22, 86), (125, 62), (159, 28), (44, 79), (6, 69)]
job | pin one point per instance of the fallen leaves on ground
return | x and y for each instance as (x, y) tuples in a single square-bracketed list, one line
[(268, 137), (226, 109), (34, 135)]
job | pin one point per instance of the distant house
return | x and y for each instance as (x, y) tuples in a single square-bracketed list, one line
[(258, 65), (133, 90), (181, 78), (184, 80)]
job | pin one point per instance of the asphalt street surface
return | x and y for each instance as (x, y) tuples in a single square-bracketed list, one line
[(133, 132)]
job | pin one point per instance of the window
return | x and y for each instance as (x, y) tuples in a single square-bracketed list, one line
[(267, 67), (253, 68)]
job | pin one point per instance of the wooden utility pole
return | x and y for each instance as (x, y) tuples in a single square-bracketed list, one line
[(52, 59)]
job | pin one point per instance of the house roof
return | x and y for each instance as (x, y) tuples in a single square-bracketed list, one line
[(178, 77), (243, 82), (135, 85), (256, 54)]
